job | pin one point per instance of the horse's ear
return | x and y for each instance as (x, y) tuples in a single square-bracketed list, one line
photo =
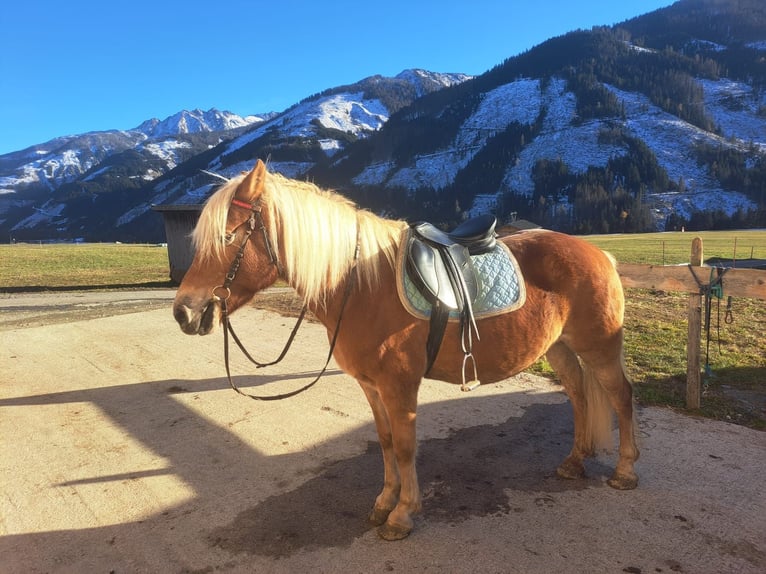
[(252, 186)]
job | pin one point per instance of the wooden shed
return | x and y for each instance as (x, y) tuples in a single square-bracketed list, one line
[(179, 223)]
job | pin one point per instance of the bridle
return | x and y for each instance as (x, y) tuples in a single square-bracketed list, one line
[(255, 219), (221, 294)]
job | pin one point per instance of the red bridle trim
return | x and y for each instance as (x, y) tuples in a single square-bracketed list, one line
[(242, 204)]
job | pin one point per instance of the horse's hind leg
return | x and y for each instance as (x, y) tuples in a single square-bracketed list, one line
[(389, 496), (596, 387), (612, 379), (567, 367)]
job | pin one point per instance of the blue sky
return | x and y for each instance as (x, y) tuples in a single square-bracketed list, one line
[(86, 65)]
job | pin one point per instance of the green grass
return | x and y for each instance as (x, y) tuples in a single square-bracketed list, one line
[(674, 248), (30, 267)]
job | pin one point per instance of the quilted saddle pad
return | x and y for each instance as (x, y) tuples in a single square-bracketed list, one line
[(501, 285)]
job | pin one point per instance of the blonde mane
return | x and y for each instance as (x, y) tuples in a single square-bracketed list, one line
[(315, 232)]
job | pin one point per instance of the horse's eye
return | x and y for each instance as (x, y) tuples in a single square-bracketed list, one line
[(229, 238)]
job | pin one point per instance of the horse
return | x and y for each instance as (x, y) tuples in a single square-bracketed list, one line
[(260, 227)]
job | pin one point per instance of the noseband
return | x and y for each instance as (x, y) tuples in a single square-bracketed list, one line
[(221, 294)]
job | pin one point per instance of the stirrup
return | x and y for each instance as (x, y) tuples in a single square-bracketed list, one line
[(475, 382)]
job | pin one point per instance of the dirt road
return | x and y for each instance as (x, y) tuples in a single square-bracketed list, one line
[(50, 307), (123, 450)]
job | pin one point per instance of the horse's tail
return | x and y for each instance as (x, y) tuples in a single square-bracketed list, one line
[(598, 412), (598, 409)]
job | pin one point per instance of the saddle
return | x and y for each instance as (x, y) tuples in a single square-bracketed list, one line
[(439, 264)]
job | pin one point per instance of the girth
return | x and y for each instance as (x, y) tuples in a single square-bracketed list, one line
[(439, 264)]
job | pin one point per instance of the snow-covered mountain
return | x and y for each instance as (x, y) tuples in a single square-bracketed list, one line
[(333, 119), (97, 185), (39, 183), (60, 160), (658, 121), (307, 133), (196, 121), (581, 145), (48, 165)]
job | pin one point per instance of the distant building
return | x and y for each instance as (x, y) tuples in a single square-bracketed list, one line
[(179, 224)]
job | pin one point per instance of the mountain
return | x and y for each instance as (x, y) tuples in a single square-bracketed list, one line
[(102, 185), (42, 186), (655, 123), (62, 160), (294, 141), (196, 121)]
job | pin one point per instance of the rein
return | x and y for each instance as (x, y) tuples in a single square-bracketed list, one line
[(222, 292)]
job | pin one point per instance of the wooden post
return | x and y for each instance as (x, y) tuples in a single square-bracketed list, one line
[(695, 335)]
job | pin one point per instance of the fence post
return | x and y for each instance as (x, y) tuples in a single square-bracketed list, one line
[(695, 335)]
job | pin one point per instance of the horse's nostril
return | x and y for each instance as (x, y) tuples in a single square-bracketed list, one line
[(183, 316), (208, 319)]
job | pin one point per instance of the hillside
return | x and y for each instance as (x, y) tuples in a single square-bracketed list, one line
[(594, 131), (70, 186)]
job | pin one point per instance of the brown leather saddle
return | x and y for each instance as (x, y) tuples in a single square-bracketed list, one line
[(439, 264)]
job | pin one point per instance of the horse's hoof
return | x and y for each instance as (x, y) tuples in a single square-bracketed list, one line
[(570, 470), (378, 516), (623, 482), (393, 531)]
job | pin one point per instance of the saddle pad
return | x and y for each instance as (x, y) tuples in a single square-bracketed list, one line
[(501, 285)]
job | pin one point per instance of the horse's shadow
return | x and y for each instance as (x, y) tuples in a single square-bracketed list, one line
[(471, 473)]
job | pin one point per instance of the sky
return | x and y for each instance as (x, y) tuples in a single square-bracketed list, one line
[(89, 65)]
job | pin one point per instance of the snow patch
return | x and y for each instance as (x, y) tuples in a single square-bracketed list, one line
[(166, 150), (42, 216), (576, 145), (673, 143), (734, 106), (517, 101)]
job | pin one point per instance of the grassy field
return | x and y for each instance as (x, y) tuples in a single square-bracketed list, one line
[(34, 267), (656, 328), (675, 248)]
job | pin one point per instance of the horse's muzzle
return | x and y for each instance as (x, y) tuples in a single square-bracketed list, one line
[(196, 322)]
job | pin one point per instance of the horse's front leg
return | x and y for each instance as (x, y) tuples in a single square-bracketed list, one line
[(389, 496), (399, 399)]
